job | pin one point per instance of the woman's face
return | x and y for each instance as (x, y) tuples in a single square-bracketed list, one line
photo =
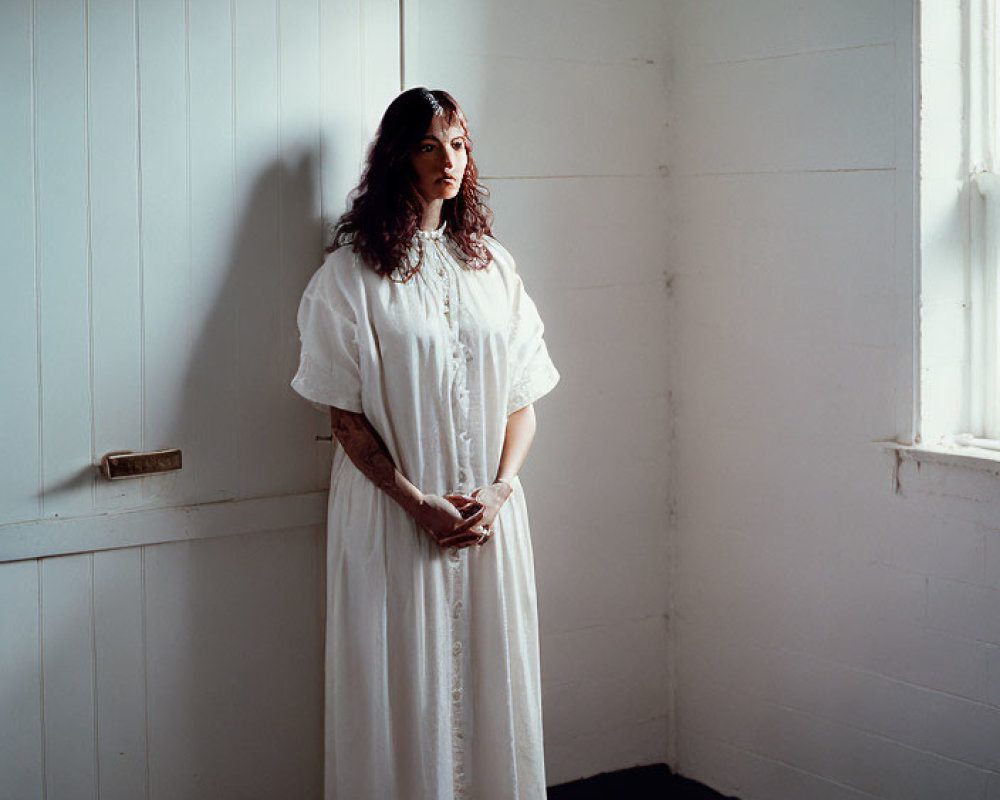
[(439, 160)]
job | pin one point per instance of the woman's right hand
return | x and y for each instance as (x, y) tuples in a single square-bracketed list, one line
[(446, 524)]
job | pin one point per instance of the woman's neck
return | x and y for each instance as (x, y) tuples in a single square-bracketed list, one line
[(431, 219)]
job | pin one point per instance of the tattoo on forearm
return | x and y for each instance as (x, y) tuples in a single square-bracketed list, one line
[(365, 448)]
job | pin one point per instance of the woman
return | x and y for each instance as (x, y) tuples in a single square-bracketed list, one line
[(418, 333)]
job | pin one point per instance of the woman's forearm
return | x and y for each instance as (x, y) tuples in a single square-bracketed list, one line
[(517, 442), (368, 453)]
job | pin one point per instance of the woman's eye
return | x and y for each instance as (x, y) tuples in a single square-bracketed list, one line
[(458, 145)]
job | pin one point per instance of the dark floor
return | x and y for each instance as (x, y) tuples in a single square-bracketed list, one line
[(656, 782)]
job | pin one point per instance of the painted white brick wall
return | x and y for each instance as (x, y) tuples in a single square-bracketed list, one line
[(837, 632)]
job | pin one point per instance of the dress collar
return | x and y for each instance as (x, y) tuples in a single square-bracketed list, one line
[(432, 234)]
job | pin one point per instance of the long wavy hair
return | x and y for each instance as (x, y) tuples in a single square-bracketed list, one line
[(384, 208)]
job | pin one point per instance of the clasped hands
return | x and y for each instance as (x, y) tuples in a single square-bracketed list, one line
[(460, 520)]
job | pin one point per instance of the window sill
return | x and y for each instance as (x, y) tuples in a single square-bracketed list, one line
[(978, 458)]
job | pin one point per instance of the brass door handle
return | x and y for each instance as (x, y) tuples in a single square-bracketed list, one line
[(126, 464)]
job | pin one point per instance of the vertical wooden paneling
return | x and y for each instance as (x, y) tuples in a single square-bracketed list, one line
[(179, 158), (298, 66), (114, 237), (19, 476), (164, 239), (380, 60), (211, 387), (180, 154), (235, 696), (20, 680), (60, 120), (121, 679), (343, 137), (359, 77), (176, 156), (300, 229), (258, 283), (68, 678)]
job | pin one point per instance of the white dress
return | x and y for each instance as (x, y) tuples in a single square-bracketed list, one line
[(432, 667)]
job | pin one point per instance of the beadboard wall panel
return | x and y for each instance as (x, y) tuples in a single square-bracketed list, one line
[(165, 173), (68, 682), (120, 661), (62, 235), (18, 301), (235, 699), (116, 313), (196, 152), (21, 743), (168, 170), (187, 669)]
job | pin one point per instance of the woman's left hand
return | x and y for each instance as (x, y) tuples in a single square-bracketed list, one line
[(492, 497)]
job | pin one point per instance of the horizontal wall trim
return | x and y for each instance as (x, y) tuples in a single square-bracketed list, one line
[(64, 536)]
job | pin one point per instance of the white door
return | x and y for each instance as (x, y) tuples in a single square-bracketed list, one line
[(165, 170)]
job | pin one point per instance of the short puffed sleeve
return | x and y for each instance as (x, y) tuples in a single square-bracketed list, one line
[(532, 373), (329, 372)]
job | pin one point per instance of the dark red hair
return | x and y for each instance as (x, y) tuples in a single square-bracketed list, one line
[(385, 210)]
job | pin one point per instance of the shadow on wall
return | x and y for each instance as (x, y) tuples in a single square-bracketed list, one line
[(239, 422), (245, 720)]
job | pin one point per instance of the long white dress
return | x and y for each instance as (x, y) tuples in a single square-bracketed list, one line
[(432, 668)]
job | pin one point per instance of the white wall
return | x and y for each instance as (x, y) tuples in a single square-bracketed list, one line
[(164, 170), (164, 167), (567, 108), (730, 355), (183, 670), (837, 611)]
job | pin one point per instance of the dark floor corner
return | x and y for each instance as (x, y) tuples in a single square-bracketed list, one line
[(655, 782)]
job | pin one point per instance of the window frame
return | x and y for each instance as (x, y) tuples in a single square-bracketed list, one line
[(959, 355), (984, 220)]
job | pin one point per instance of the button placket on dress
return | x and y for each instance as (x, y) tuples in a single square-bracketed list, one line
[(438, 259)]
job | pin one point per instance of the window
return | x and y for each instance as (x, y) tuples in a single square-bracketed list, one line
[(960, 224)]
